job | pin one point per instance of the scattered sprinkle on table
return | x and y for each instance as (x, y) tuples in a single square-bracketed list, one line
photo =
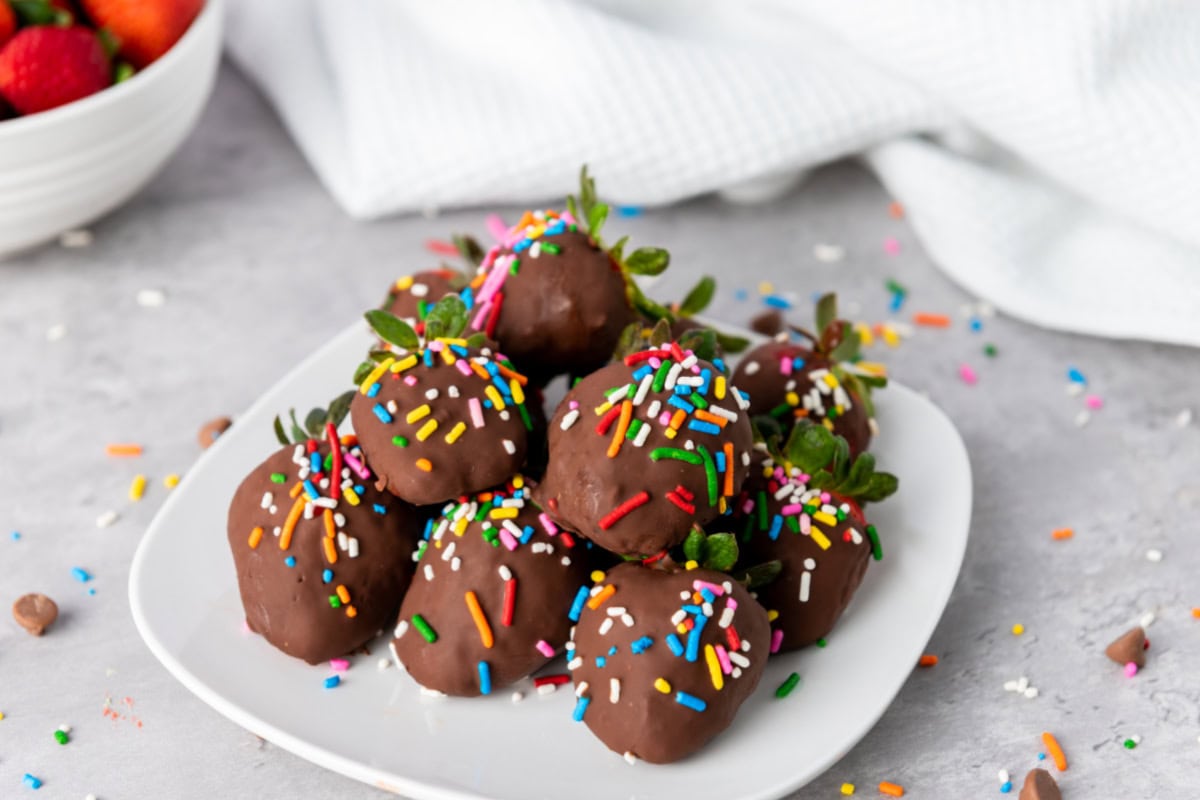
[(788, 685), (891, 789), (171, 481), (828, 253), (847, 789), (76, 239), (1063, 533), (106, 519), (968, 375), (928, 320), (123, 450), (1132, 742), (151, 298), (990, 350), (32, 781), (1018, 629), (56, 333), (333, 681), (137, 488), (1055, 750), (1154, 555), (80, 574), (928, 660), (891, 246), (62, 734)]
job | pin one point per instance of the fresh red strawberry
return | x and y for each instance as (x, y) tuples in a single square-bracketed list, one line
[(8, 22), (145, 29), (45, 67)]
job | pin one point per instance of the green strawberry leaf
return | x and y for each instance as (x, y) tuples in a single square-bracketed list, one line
[(279, 432), (810, 447), (380, 356), (363, 371), (841, 459), (826, 312), (298, 434), (660, 334), (393, 329), (617, 251), (847, 349), (701, 341), (645, 305), (648, 261), (732, 344), (859, 477), (477, 340), (447, 318), (471, 250), (693, 545), (314, 423), (123, 71), (720, 552), (699, 297), (759, 575), (339, 408), (596, 218), (881, 486)]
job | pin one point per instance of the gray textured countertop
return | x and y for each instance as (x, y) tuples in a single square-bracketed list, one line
[(259, 268)]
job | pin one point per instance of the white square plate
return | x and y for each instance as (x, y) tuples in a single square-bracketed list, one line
[(378, 728)]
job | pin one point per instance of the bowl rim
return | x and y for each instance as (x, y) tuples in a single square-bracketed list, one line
[(210, 15)]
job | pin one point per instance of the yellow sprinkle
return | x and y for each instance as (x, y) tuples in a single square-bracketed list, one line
[(375, 375), (495, 397), (1018, 629), (405, 363), (692, 564), (721, 504), (681, 628), (671, 433), (766, 287), (828, 519), (864, 334), (460, 526), (503, 513), (847, 789), (448, 356), (518, 481), (351, 497), (830, 380), (427, 430), (417, 414), (343, 593), (772, 615), (597, 575), (171, 481), (455, 432), (460, 342), (1, 715), (890, 336), (137, 488), (662, 685), (600, 409), (404, 284), (719, 387), (793, 399), (714, 667), (517, 392), (821, 539), (425, 465)]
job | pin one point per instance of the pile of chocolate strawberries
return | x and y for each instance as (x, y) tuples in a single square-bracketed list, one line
[(669, 526)]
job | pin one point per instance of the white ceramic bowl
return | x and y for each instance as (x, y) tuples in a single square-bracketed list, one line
[(66, 167)]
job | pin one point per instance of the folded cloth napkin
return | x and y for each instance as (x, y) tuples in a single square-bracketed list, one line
[(1045, 152)]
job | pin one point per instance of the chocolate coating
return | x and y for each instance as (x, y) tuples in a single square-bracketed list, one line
[(835, 556), (290, 605), (643, 720), (584, 485), (411, 297), (560, 312), (432, 469), (772, 391), (454, 563)]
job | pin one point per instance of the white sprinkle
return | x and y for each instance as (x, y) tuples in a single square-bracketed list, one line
[(396, 656), (1083, 418), (65, 728), (518, 697), (432, 394), (452, 390), (1184, 418), (644, 433), (1074, 389), (1010, 686), (1147, 619), (724, 413), (343, 541), (75, 239), (745, 459), (581, 688), (606, 626), (628, 620), (1136, 739), (505, 573), (1003, 776), (680, 615), (401, 629), (630, 758), (726, 618), (569, 419), (643, 390), (382, 664), (509, 447), (324, 502), (432, 692), (736, 672), (151, 298), (1154, 555), (986, 309), (339, 519), (56, 333), (752, 368), (548, 688), (683, 596), (739, 659), (1031, 692), (273, 510), (429, 572), (448, 553), (614, 690), (1022, 684), (828, 253), (653, 409), (504, 415), (566, 561), (419, 289), (455, 564), (616, 611), (106, 519)]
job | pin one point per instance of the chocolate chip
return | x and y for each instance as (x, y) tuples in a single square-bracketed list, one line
[(1130, 646), (767, 323), (35, 613), (212, 429), (1040, 785)]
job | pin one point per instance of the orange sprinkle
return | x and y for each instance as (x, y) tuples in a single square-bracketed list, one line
[(255, 537), (349, 440), (728, 470), (330, 550), (677, 419), (601, 597), (351, 612), (1055, 751), (1196, 612), (720, 422), (480, 371), (622, 428), (895, 210), (892, 789), (343, 594), (931, 320), (123, 450), (928, 660), (485, 630), (330, 531), (295, 491), (1063, 533), (289, 525), (508, 373), (425, 465)]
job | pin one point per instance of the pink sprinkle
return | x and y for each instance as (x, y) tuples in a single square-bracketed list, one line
[(824, 497), (805, 524), (410, 380), (776, 640), (476, 410), (731, 603), (747, 506), (712, 587), (574, 404), (507, 539), (545, 649), (339, 664), (891, 246), (463, 367), (968, 375), (785, 366), (655, 362), (477, 323), (496, 227), (548, 524), (1094, 401), (664, 418), (723, 657), (791, 509), (1131, 669), (358, 468)]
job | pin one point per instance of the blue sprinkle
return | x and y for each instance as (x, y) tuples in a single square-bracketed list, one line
[(642, 372), (681, 404), (487, 403), (720, 459), (741, 294), (976, 324), (705, 380), (80, 574), (332, 681), (720, 364), (1006, 787), (691, 701), (775, 301), (15, 536), (429, 358), (700, 426), (745, 397), (290, 561), (526, 534), (522, 246), (708, 595), (682, 389), (379, 509), (31, 781), (601, 661), (360, 490), (674, 643), (612, 651), (577, 607), (630, 211), (468, 298), (897, 301), (314, 459), (374, 390), (693, 609), (693, 645), (428, 529), (382, 412), (460, 350), (1041, 756), (310, 490), (1075, 376), (485, 678), (92, 592), (798, 363), (776, 525), (555, 228), (581, 706), (326, 576), (641, 645)]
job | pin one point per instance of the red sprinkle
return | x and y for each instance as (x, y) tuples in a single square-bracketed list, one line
[(510, 601), (614, 516), (607, 420), (494, 317), (553, 680), (335, 480), (567, 539), (655, 557), (644, 355), (440, 247), (687, 507), (735, 642), (683, 492)]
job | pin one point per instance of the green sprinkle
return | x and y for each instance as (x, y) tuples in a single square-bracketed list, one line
[(483, 510), (514, 267), (329, 462), (710, 471), (550, 248), (762, 510), (278, 477), (792, 523), (876, 547), (525, 417), (894, 287), (780, 410), (1130, 744), (421, 549), (334, 601), (659, 453), (821, 642), (786, 687), (399, 441), (634, 427), (420, 624), (491, 537), (698, 401), (660, 377), (422, 309), (60, 736), (841, 515), (989, 350)]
